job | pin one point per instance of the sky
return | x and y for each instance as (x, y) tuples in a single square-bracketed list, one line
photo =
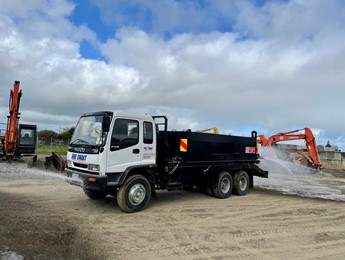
[(239, 65)]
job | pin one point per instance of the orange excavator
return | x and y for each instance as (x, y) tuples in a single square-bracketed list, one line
[(19, 139), (311, 148)]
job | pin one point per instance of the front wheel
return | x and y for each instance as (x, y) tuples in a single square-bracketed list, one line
[(224, 185), (134, 194), (241, 183)]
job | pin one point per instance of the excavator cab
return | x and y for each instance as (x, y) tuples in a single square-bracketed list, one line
[(27, 139)]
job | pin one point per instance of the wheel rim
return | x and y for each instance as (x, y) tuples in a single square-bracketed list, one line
[(137, 194), (225, 185), (243, 183)]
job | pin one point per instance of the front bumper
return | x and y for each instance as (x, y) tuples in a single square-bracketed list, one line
[(87, 181)]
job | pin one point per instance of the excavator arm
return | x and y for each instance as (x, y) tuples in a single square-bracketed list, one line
[(312, 147), (214, 129), (19, 138), (11, 136), (293, 135)]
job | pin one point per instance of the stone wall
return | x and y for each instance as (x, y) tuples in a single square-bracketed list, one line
[(332, 160)]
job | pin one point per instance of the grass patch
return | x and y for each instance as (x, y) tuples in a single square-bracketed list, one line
[(48, 149)]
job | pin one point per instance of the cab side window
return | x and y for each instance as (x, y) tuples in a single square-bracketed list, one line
[(125, 134), (148, 133)]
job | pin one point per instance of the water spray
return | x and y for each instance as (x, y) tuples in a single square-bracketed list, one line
[(21, 170), (289, 178)]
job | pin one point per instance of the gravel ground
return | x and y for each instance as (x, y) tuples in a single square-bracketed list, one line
[(43, 217)]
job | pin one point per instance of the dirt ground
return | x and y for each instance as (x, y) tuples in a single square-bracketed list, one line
[(46, 218)]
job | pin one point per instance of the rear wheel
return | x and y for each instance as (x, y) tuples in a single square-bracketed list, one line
[(241, 183), (224, 185), (95, 194), (134, 194)]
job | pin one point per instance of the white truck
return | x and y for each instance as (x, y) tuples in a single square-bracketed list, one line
[(130, 156)]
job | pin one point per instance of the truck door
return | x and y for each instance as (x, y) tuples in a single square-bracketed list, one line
[(125, 145), (148, 154)]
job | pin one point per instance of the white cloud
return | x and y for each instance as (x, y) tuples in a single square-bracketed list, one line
[(27, 8), (287, 74), (292, 22)]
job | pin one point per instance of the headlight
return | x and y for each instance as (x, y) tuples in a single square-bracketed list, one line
[(93, 167), (69, 163)]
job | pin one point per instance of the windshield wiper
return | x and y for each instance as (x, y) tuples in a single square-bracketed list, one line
[(81, 141)]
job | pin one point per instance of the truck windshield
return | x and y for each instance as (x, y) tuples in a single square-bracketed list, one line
[(89, 132)]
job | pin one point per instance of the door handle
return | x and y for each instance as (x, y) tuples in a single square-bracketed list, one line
[(136, 151)]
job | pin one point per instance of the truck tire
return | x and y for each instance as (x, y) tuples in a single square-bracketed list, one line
[(224, 185), (95, 194), (241, 183), (209, 191), (134, 194)]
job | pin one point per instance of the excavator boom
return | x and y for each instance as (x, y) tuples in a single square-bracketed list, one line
[(11, 136), (292, 135), (19, 138), (214, 129)]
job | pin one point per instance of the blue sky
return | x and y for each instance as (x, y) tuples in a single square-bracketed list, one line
[(141, 15), (240, 65), (84, 10)]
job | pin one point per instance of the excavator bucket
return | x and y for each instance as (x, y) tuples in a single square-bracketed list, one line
[(51, 163), (55, 162)]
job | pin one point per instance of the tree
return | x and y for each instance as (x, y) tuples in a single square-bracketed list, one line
[(67, 133), (46, 136)]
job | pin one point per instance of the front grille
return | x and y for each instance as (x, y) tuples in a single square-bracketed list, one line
[(83, 171), (80, 165)]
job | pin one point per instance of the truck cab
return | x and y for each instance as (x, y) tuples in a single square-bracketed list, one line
[(106, 147), (108, 143)]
